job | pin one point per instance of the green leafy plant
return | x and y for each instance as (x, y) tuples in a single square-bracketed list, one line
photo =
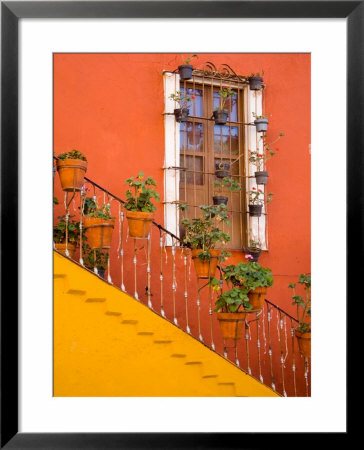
[(204, 232), (303, 302), (232, 301), (140, 194), (59, 230), (55, 201), (225, 93), (188, 60), (259, 157), (263, 116), (257, 74), (94, 258), (182, 99), (256, 196), (91, 209), (73, 154), (249, 275), (229, 183), (255, 244)]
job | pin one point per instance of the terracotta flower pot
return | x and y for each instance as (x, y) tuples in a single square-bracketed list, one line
[(205, 269), (99, 232), (139, 223), (71, 173), (70, 247), (231, 324), (256, 298), (304, 342)]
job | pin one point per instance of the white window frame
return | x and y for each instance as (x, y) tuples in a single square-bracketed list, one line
[(257, 227)]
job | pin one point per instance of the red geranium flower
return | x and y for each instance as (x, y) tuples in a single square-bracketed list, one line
[(254, 188)]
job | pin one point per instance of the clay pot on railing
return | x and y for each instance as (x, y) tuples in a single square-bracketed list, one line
[(231, 324), (205, 269), (99, 231), (185, 71), (220, 116), (101, 273), (222, 169), (261, 124), (139, 223), (261, 177), (181, 115), (220, 200), (256, 298), (255, 83), (304, 342), (255, 210), (254, 252), (71, 173), (61, 248)]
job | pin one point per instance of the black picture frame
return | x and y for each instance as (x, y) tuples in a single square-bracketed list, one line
[(11, 12)]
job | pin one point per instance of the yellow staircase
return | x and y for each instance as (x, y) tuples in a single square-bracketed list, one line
[(107, 344)]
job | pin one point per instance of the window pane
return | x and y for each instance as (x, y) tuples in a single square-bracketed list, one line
[(196, 105), (226, 140), (231, 105), (192, 164), (191, 136)]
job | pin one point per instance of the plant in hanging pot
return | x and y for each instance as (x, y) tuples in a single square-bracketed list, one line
[(255, 81), (253, 278), (261, 122), (98, 223), (66, 240), (221, 113), (303, 331), (260, 157), (203, 234), (139, 207), (71, 167), (256, 201), (185, 69), (181, 114), (95, 258), (231, 184), (222, 169), (231, 307), (254, 249)]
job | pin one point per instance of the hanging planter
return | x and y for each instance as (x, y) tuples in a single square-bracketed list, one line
[(139, 208), (139, 223), (255, 252), (222, 170), (220, 200), (255, 210), (61, 248), (205, 268), (71, 167), (304, 342), (261, 177), (185, 71), (220, 116), (256, 298), (261, 124), (99, 231), (101, 273), (181, 115), (255, 83), (231, 324)]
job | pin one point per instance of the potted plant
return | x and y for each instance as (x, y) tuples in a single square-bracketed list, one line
[(71, 167), (95, 259), (221, 114), (256, 201), (252, 278), (303, 331), (255, 81), (231, 308), (185, 69), (60, 236), (259, 159), (98, 224), (254, 249), (181, 114), (202, 234), (138, 205), (229, 183), (222, 169), (261, 122)]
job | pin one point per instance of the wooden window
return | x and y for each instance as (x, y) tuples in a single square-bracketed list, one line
[(202, 146)]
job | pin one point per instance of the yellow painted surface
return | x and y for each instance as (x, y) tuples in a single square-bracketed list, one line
[(108, 344)]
